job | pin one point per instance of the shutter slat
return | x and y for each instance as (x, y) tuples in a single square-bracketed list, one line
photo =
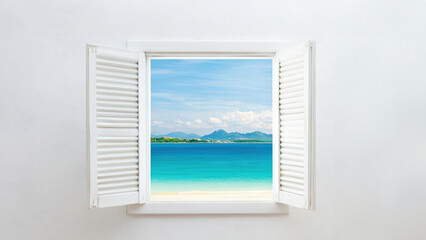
[(283, 102), (117, 144), (292, 168), (294, 66), (117, 81), (292, 106), (117, 179), (286, 178), (118, 87), (292, 84), (293, 73), (117, 115), (295, 123), (116, 139), (291, 117), (120, 161), (113, 174), (294, 134), (292, 89), (292, 158), (286, 139), (117, 168), (292, 110), (117, 155), (118, 190), (100, 61), (109, 92), (117, 150), (117, 125), (119, 56), (292, 174), (292, 185), (117, 109), (112, 133), (292, 151), (117, 119), (291, 79), (287, 145), (294, 60), (116, 98), (118, 132), (292, 163), (294, 191), (286, 129), (119, 184), (108, 68), (292, 95), (116, 104), (123, 76)]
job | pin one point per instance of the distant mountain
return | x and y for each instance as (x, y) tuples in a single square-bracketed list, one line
[(220, 135), (258, 136), (232, 136), (180, 135)]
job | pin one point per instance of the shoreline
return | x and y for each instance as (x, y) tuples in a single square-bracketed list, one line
[(207, 142), (213, 196)]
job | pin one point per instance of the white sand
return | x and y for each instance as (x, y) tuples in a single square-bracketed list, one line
[(213, 196)]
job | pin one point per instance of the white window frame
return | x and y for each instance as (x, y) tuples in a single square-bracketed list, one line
[(211, 49)]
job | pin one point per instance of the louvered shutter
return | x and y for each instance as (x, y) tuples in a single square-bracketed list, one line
[(114, 139), (297, 126)]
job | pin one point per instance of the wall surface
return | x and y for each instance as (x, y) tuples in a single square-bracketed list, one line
[(371, 115)]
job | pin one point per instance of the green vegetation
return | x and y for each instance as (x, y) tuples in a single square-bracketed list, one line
[(178, 140), (250, 141)]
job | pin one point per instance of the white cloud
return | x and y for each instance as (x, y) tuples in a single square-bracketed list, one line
[(215, 120), (168, 96), (249, 121), (169, 99), (156, 123), (196, 124), (205, 123)]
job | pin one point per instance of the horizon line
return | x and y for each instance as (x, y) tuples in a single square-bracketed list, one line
[(210, 132)]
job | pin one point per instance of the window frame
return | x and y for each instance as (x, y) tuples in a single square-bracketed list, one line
[(209, 50)]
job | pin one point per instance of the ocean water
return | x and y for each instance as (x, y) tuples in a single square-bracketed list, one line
[(179, 167)]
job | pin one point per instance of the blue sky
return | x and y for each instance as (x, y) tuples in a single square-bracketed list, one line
[(203, 95)]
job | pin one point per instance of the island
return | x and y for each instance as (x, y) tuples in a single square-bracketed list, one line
[(179, 140), (219, 136)]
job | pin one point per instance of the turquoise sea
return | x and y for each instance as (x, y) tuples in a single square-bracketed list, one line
[(178, 167)]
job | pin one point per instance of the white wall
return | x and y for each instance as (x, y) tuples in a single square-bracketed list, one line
[(371, 88)]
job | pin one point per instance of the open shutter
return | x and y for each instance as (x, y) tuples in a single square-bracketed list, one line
[(115, 134), (297, 126)]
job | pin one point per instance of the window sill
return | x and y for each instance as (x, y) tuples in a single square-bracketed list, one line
[(152, 208)]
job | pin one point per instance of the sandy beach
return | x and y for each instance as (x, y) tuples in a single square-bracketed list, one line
[(213, 196)]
